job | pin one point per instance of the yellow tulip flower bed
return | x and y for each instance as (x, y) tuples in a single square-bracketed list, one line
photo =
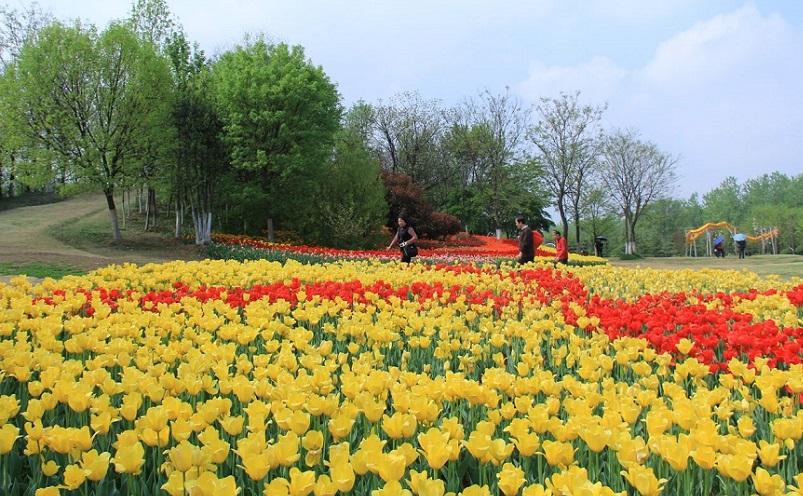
[(371, 378)]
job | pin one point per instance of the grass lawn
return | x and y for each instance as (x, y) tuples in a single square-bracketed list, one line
[(38, 269), (786, 266)]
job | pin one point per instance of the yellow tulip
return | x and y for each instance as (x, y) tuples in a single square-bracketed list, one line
[(47, 491), (256, 465), (797, 491), (527, 444), (391, 466), (737, 467), (643, 480), (95, 465), (301, 483), (536, 490), (434, 446), (277, 487), (49, 468), (558, 454), (232, 425), (182, 455), (8, 434), (399, 425), (129, 459), (511, 478), (324, 486), (766, 484), (476, 490), (769, 453), (175, 484), (746, 427), (74, 476), (342, 476), (392, 488), (705, 457)]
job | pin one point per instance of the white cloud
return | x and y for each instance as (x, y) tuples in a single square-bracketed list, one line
[(725, 95)]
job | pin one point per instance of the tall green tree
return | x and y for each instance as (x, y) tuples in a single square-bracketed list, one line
[(351, 202), (725, 202), (90, 101), (201, 158), (280, 115)]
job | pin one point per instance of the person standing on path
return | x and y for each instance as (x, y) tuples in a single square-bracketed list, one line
[(406, 237), (561, 250), (526, 245)]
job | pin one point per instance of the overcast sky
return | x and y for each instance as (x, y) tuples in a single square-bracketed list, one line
[(718, 83)]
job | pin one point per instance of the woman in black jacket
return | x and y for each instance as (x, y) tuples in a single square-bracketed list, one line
[(406, 237)]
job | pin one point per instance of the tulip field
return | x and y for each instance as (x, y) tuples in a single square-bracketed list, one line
[(370, 377)]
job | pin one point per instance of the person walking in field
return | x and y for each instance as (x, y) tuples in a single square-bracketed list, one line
[(526, 245), (561, 250), (406, 237)]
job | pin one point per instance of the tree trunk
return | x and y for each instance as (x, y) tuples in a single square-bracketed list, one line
[(125, 210), (152, 206), (630, 237), (563, 222), (113, 215), (179, 217), (576, 225), (270, 229)]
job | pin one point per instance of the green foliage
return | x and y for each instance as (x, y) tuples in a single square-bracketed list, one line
[(352, 197), (280, 115), (90, 103)]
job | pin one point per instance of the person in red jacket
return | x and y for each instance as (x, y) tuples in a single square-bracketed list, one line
[(561, 250)]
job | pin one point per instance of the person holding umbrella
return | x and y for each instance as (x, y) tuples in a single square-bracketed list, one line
[(719, 249), (741, 243)]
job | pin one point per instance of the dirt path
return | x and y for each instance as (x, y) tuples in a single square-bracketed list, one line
[(27, 236), (26, 230)]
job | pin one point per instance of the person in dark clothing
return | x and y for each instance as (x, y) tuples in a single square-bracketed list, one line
[(598, 246), (406, 237), (740, 246), (526, 245)]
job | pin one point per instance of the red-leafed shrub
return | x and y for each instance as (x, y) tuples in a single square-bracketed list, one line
[(406, 198)]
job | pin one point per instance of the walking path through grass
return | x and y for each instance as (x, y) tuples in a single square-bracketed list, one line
[(74, 236)]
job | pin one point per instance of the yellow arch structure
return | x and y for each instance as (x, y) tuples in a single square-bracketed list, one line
[(693, 234)]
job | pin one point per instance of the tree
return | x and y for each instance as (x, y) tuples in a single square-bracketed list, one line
[(280, 114), (201, 158), (567, 136), (486, 139), (153, 22), (89, 101), (596, 209), (352, 198), (725, 202), (493, 177), (17, 27), (636, 173), (407, 132)]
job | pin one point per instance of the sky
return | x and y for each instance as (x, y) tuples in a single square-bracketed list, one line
[(716, 83)]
